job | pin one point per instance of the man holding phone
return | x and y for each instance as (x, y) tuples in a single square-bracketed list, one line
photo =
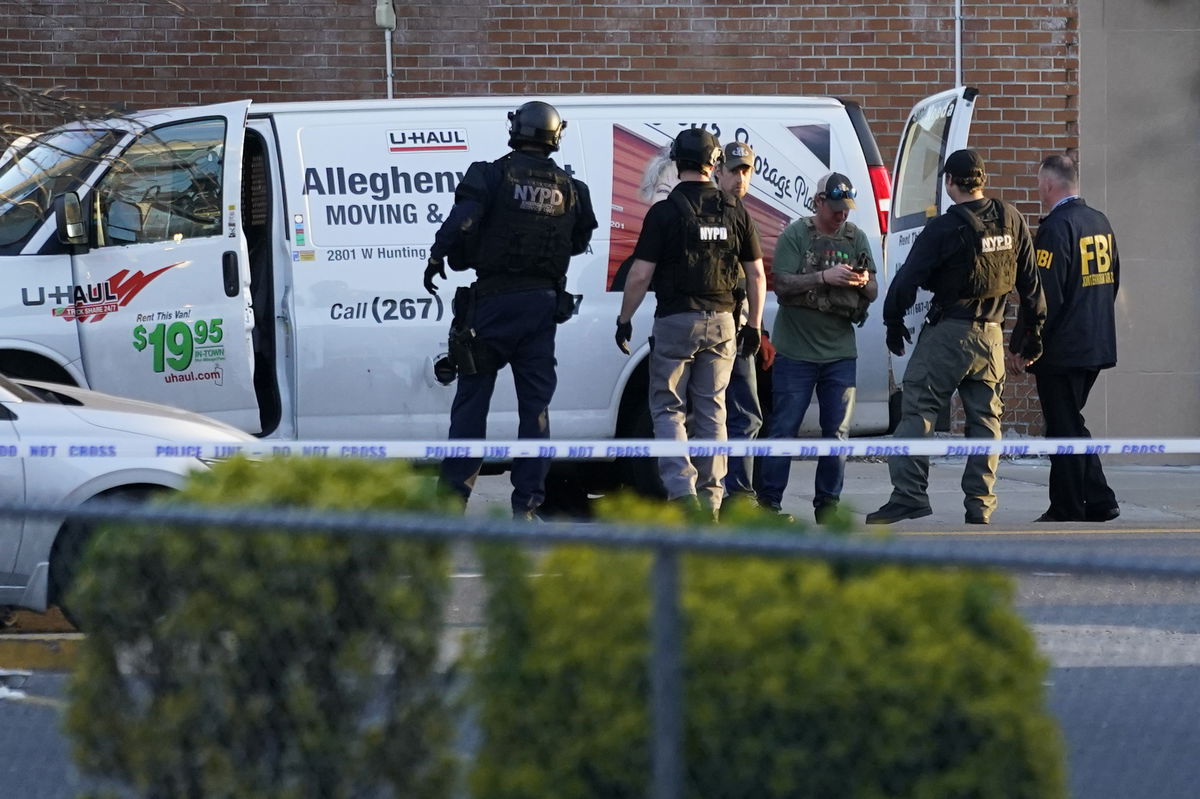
[(824, 279)]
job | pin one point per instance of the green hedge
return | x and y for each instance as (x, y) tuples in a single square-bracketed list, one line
[(800, 680), (228, 662)]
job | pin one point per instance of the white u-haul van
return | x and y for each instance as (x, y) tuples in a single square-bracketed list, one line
[(262, 264)]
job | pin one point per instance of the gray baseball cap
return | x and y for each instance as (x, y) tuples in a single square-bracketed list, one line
[(738, 154)]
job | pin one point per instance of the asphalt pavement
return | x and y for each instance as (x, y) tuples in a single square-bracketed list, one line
[(1151, 497)]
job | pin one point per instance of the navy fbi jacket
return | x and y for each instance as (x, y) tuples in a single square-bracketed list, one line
[(1076, 254)]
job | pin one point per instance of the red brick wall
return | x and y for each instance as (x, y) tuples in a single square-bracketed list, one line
[(1022, 55)]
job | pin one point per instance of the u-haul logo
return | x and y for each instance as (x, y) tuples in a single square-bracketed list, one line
[(425, 140), (91, 302)]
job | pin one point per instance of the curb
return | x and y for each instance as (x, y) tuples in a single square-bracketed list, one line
[(27, 621), (38, 641), (40, 651)]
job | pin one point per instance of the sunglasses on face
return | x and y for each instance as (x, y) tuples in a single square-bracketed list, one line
[(841, 193)]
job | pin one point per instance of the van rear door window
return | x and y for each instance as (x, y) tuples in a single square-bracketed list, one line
[(923, 150)]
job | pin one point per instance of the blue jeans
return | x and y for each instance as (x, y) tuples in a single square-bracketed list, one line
[(743, 420), (793, 383)]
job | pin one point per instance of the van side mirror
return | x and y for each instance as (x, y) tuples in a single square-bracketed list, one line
[(69, 213)]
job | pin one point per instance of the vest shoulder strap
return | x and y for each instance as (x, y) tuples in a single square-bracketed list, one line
[(683, 205), (967, 218)]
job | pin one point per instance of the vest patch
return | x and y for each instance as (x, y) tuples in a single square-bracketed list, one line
[(711, 233), (528, 224), (540, 199), (997, 243)]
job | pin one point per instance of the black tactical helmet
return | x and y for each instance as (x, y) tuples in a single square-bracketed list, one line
[(535, 123), (697, 146)]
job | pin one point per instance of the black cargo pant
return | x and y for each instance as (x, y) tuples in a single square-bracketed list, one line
[(520, 328)]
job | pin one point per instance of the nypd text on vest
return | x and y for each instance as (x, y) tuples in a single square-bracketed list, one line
[(998, 243), (538, 198)]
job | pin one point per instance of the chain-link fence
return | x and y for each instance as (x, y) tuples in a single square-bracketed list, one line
[(285, 637)]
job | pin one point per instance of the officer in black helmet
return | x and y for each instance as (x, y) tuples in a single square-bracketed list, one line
[(516, 221), (689, 252)]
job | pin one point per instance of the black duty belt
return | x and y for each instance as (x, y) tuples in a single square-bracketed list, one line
[(972, 322)]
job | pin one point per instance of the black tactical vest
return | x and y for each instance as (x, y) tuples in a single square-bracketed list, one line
[(708, 263), (985, 265), (527, 230)]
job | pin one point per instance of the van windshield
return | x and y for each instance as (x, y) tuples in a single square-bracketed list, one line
[(46, 166)]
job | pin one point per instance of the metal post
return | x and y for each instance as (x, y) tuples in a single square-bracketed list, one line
[(389, 74), (666, 689), (385, 17), (958, 76)]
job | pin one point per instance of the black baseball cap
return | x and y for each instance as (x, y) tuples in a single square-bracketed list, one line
[(964, 164)]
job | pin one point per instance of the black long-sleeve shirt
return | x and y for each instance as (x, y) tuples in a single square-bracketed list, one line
[(939, 246)]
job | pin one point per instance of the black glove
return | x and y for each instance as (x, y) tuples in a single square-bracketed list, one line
[(897, 335), (624, 333), (436, 268), (748, 340), (1031, 347)]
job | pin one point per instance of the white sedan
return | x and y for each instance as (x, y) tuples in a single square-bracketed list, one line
[(38, 556)]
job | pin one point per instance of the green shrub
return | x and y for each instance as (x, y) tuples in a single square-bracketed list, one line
[(234, 662), (800, 680)]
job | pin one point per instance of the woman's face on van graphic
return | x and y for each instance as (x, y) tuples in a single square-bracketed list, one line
[(667, 179), (659, 177)]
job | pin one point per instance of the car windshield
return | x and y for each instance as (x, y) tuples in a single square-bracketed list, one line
[(42, 168)]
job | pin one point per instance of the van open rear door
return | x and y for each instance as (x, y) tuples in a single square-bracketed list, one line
[(161, 297), (937, 126)]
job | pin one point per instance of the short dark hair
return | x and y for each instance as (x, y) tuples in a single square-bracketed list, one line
[(1062, 167)]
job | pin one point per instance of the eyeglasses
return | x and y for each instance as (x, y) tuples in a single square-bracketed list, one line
[(841, 193)]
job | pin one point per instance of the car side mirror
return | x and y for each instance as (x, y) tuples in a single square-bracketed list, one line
[(69, 213)]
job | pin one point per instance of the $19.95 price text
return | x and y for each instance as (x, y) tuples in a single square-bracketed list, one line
[(175, 344)]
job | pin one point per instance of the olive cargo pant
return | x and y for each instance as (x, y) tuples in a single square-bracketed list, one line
[(960, 355)]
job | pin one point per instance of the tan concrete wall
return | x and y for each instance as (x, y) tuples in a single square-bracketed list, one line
[(1139, 138)]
